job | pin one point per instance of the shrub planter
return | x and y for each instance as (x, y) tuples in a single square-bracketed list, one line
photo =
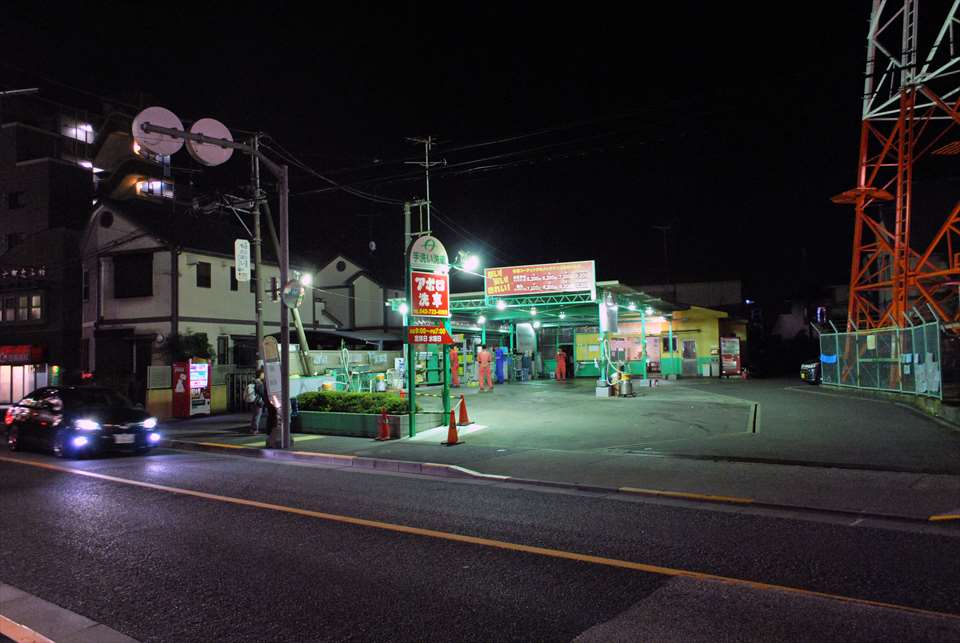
[(363, 425)]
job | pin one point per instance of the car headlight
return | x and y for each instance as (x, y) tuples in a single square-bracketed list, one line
[(150, 423), (87, 425)]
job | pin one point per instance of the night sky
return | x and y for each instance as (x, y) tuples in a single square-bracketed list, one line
[(567, 133)]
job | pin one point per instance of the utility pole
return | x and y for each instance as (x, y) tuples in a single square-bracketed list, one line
[(257, 245), (426, 164), (666, 257), (281, 172)]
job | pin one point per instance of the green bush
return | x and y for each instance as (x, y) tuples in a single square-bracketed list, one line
[(342, 402)]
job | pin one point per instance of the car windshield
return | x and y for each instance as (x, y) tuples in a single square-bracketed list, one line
[(93, 397)]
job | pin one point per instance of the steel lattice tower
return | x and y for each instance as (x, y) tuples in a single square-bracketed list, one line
[(911, 104)]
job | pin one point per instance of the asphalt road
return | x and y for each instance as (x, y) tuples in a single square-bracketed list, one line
[(234, 549)]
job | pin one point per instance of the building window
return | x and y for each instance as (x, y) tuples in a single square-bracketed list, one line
[(86, 286), (16, 199), (22, 308), (133, 275), (233, 279), (203, 274), (341, 266), (667, 344)]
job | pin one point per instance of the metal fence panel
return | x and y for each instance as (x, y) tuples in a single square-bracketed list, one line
[(905, 360), (829, 360)]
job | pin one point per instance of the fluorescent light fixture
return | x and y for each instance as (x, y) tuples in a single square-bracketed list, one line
[(481, 320), (403, 308), (536, 324), (632, 306), (533, 311), (649, 310), (563, 315), (501, 305)]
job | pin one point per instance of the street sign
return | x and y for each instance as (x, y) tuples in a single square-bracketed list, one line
[(540, 279), (271, 363), (292, 294), (431, 294), (428, 335), (241, 258), (428, 253)]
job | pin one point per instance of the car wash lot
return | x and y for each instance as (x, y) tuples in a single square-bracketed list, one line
[(771, 421)]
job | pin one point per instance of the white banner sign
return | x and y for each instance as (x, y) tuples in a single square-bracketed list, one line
[(241, 256)]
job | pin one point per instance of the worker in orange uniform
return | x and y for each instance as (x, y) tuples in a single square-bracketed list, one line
[(484, 361), (561, 373), (454, 366)]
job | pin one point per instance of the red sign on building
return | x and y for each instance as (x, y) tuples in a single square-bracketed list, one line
[(428, 335), (431, 294), (21, 354), (540, 279)]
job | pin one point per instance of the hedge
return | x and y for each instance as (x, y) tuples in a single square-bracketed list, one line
[(342, 402)]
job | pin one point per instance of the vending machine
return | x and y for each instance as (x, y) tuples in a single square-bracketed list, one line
[(191, 388), (730, 357)]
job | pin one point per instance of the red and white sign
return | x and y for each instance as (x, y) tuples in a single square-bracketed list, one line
[(21, 354), (428, 335), (540, 279), (431, 294)]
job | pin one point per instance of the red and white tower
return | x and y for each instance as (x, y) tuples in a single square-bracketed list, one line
[(911, 110)]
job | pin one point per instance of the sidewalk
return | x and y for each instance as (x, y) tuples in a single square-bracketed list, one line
[(915, 496)]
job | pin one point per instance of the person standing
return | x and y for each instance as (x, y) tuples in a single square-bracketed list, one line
[(259, 401), (484, 360), (561, 373), (454, 366)]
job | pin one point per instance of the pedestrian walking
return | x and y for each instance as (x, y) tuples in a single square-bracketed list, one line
[(256, 395), (484, 361)]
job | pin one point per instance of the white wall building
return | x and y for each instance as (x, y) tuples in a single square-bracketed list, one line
[(151, 272)]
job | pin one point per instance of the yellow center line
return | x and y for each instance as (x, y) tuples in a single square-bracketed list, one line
[(488, 542)]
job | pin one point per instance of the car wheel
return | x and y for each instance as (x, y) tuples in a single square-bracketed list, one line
[(13, 442), (60, 449)]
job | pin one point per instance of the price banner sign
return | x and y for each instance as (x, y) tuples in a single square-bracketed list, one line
[(540, 279), (431, 294), (428, 335)]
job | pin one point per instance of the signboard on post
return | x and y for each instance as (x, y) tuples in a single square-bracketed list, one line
[(430, 294), (271, 367), (540, 279), (429, 254), (241, 258), (428, 335)]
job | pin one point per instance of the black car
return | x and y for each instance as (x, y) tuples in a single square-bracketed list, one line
[(79, 420)]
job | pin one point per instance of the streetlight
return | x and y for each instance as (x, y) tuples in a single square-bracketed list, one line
[(481, 320), (306, 279)]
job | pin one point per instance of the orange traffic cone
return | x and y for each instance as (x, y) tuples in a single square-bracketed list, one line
[(452, 438), (384, 433), (403, 394), (464, 418)]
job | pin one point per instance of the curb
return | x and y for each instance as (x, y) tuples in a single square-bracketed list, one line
[(454, 471), (29, 619)]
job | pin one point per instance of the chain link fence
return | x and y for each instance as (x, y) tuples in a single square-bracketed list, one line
[(902, 360)]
